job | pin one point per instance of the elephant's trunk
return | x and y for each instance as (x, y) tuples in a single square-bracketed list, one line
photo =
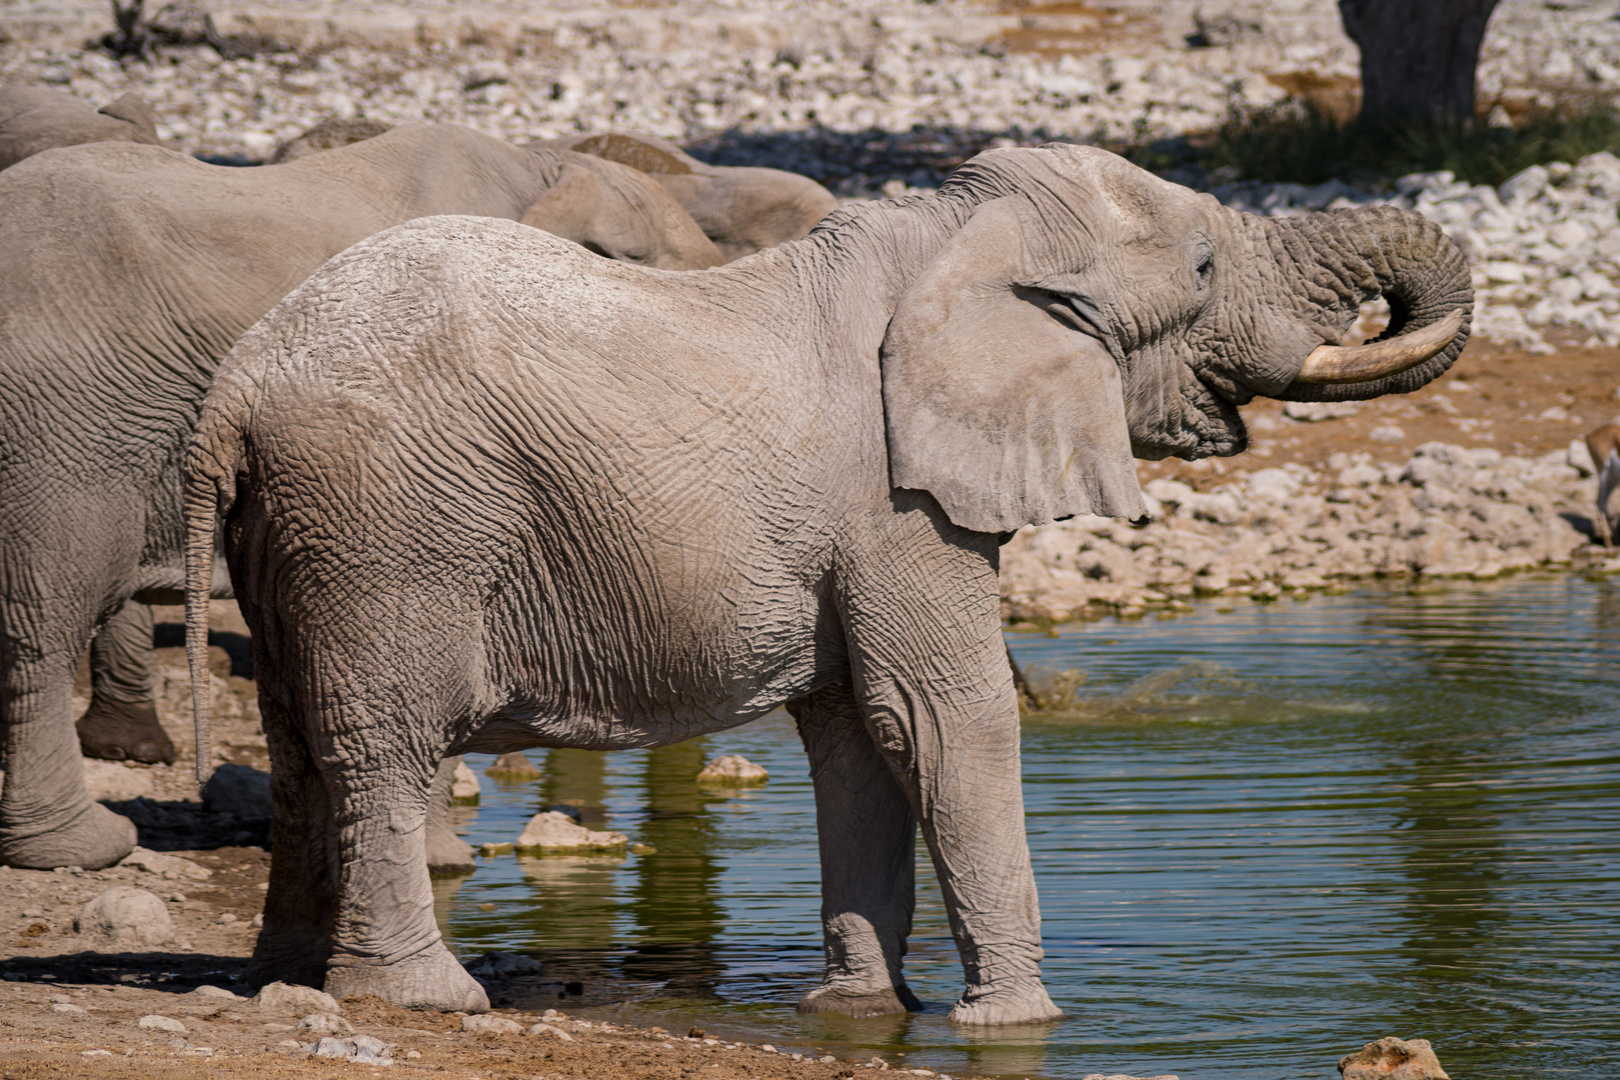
[(1346, 257)]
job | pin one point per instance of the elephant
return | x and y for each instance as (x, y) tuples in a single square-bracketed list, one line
[(33, 119), (126, 273), (481, 493), (743, 210), (328, 135)]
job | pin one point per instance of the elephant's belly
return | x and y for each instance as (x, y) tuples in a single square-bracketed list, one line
[(619, 695)]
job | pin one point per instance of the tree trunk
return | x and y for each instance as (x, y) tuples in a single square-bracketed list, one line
[(1417, 59)]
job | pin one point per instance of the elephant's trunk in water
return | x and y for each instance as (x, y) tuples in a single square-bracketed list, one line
[(1397, 254)]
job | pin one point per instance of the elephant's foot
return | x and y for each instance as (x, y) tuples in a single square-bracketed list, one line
[(857, 1003), (431, 979), (95, 838), (448, 855), (1013, 1003), (124, 731)]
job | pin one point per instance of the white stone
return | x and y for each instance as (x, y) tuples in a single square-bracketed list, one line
[(484, 1024), (326, 1023), (214, 993), (155, 1022), (732, 770), (552, 1030), (553, 832), (125, 919), (280, 997), (1386, 433), (167, 866), (68, 1008), (1316, 411)]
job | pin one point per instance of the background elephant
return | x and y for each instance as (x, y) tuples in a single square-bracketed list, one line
[(555, 502), (743, 210), (126, 272), (33, 119)]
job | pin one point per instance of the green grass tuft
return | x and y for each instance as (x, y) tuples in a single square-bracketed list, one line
[(1293, 141)]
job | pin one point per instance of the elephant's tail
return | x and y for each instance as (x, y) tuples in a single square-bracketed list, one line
[(210, 489)]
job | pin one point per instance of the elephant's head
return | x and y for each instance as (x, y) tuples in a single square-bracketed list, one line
[(1087, 312)]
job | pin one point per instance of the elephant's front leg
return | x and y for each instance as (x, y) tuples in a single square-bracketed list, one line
[(385, 941), (931, 673), (868, 837)]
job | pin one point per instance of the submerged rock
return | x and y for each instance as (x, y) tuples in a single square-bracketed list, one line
[(125, 919), (513, 766), (732, 770), (1393, 1059), (464, 788), (553, 833)]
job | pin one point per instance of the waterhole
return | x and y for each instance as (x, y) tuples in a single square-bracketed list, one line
[(1262, 838)]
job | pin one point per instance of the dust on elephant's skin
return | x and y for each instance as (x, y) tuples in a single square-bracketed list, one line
[(126, 273), (551, 501)]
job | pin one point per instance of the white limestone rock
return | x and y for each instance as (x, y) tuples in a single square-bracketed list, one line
[(732, 770), (125, 919), (555, 833)]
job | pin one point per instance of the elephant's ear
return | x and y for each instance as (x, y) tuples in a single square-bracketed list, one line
[(1003, 413), (133, 109)]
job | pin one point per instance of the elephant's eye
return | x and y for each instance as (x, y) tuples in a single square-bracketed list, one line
[(1206, 268)]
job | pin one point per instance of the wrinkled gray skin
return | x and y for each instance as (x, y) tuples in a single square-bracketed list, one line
[(34, 119), (548, 501), (743, 210), (126, 273)]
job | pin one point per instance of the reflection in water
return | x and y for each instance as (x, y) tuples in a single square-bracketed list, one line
[(1261, 839), (674, 898)]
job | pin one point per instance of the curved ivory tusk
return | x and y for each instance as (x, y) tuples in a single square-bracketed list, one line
[(1377, 359)]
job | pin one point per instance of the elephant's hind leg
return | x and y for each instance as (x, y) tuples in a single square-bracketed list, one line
[(387, 942), (868, 835), (47, 818), (121, 723), (301, 903)]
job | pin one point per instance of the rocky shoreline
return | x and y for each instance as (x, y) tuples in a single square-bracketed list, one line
[(1291, 530)]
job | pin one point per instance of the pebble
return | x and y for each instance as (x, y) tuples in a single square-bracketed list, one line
[(280, 997), (156, 1022), (326, 1023), (485, 1024), (63, 1007)]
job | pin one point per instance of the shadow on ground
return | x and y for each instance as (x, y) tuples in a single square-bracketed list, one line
[(181, 972), (189, 826)]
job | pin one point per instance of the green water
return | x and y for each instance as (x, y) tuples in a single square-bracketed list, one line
[(1262, 838)]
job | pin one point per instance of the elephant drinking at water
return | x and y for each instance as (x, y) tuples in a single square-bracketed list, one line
[(480, 492)]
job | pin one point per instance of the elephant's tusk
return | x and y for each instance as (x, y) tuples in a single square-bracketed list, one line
[(1376, 359)]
